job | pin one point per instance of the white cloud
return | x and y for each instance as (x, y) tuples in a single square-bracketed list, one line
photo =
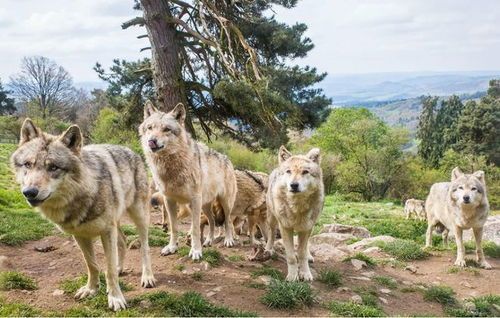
[(353, 36)]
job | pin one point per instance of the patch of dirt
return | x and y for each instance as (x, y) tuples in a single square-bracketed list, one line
[(230, 280)]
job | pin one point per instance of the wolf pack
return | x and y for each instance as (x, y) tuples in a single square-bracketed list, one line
[(86, 190)]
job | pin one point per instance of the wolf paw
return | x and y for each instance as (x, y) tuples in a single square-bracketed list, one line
[(195, 254), (306, 275), (208, 242), (460, 262), (148, 281), (485, 265), (116, 303), (169, 249), (85, 292), (292, 276), (228, 242)]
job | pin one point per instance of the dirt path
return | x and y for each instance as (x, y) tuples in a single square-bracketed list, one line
[(231, 278)]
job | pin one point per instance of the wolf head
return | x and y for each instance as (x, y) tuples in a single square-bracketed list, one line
[(42, 162), (299, 173), (468, 189), (160, 131)]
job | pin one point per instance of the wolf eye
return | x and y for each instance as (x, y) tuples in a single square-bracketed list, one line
[(149, 127), (27, 165), (305, 172), (52, 168), (461, 188), (289, 171), (166, 129), (473, 188)]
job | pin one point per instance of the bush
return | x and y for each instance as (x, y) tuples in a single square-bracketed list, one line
[(14, 280), (330, 277), (362, 257), (350, 309), (441, 294), (404, 250), (268, 271), (287, 295)]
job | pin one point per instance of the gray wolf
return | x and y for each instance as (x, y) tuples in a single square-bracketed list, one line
[(295, 200), (186, 172), (459, 205), (85, 191), (414, 206)]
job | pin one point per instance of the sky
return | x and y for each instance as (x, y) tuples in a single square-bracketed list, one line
[(350, 36)]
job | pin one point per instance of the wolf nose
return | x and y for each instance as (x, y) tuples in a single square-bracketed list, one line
[(30, 192), (294, 186), (466, 198), (152, 143)]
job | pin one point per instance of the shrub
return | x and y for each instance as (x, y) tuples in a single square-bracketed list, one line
[(386, 281), (403, 250), (268, 271), (14, 280), (349, 309), (330, 277), (441, 294), (362, 257), (287, 295)]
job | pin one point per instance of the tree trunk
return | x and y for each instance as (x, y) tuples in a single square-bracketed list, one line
[(165, 62)]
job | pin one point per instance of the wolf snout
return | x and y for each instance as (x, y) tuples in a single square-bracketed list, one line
[(153, 144), (294, 187), (30, 192), (466, 198)]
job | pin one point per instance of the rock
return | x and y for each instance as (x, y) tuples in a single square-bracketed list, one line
[(343, 289), (357, 231), (211, 293), (188, 271), (411, 268), (407, 283), (46, 248), (373, 249), (217, 289), (360, 278), (470, 306), (466, 284), (205, 266), (491, 230), (357, 299), (368, 274), (145, 304), (385, 301), (266, 279), (4, 262), (326, 252), (58, 292), (364, 243), (385, 291), (358, 264), (332, 239)]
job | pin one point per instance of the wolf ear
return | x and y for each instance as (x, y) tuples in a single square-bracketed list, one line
[(283, 154), (72, 138), (149, 109), (314, 155), (456, 173), (480, 176), (28, 131), (179, 113)]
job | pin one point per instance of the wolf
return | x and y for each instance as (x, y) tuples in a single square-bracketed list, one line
[(459, 205), (85, 190), (295, 200), (186, 172), (415, 206)]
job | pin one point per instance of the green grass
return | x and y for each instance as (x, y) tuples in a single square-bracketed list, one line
[(368, 295), (396, 263), (183, 251), (484, 307), (386, 281), (179, 267), (16, 309), (491, 249), (403, 250), (287, 295), (235, 258), (330, 277), (268, 271), (409, 289), (256, 285), (370, 262), (350, 309), (197, 276), (14, 280), (212, 257), (440, 294), (156, 236), (459, 269)]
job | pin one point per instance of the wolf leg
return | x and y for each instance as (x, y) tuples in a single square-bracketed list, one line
[(460, 247), (171, 248), (196, 206), (211, 225), (478, 236), (92, 286), (122, 248), (116, 301), (291, 259), (303, 255), (272, 224), (428, 234), (140, 216), (228, 221), (444, 235)]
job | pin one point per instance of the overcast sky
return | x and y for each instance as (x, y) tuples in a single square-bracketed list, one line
[(351, 36)]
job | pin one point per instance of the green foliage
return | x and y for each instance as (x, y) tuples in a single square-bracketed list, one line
[(370, 151), (368, 296), (440, 294), (370, 262), (156, 236), (386, 281), (256, 285), (459, 269), (110, 128), (349, 309), (236, 258), (212, 256), (10, 128), (268, 271), (72, 285), (491, 249), (282, 294), (197, 276), (486, 306), (14, 280), (404, 250), (7, 106), (16, 309), (331, 277)]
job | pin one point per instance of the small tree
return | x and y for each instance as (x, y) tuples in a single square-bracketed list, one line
[(44, 83), (6, 104)]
